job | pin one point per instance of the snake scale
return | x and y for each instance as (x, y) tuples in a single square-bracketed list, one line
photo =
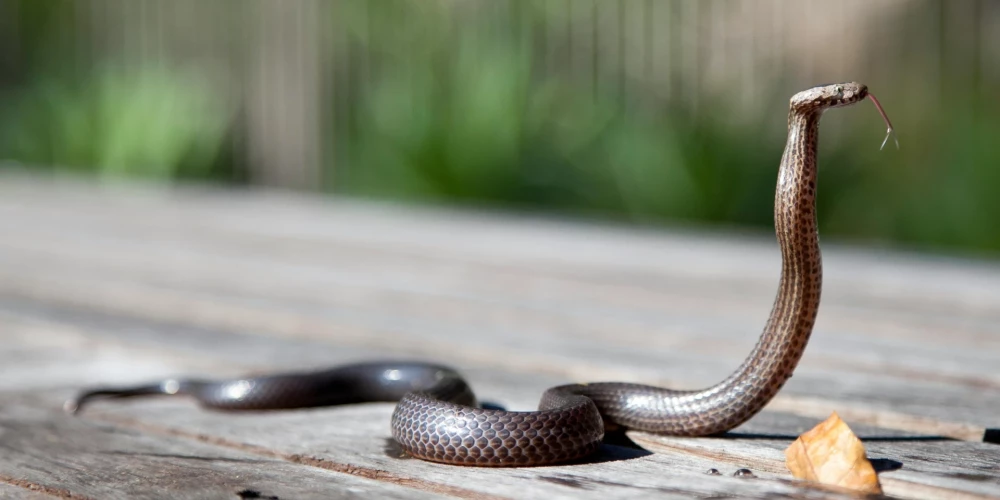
[(436, 417)]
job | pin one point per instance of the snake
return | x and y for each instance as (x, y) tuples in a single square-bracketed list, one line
[(437, 418)]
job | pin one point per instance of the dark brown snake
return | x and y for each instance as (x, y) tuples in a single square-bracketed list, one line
[(437, 419)]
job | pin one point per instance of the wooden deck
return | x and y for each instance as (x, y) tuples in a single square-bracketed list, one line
[(124, 285)]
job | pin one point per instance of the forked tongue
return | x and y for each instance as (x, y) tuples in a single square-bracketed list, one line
[(890, 132)]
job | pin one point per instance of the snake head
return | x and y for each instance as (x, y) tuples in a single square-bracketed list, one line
[(829, 96)]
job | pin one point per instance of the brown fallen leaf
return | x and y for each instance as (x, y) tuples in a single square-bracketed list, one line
[(831, 454)]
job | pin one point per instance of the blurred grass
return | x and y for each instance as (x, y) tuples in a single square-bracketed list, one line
[(458, 111), (144, 122), (156, 121), (464, 116)]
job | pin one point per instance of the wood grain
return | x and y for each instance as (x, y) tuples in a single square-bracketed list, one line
[(72, 457), (119, 285)]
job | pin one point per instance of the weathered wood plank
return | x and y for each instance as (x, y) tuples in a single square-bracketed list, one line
[(142, 284), (292, 223), (674, 468), (678, 366), (340, 435), (67, 455), (693, 365), (361, 432), (913, 465), (742, 271)]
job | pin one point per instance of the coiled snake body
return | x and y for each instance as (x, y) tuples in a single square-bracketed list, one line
[(436, 418)]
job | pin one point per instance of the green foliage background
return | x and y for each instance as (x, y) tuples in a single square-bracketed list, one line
[(457, 111)]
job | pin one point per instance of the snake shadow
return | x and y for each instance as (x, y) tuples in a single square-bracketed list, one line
[(616, 445), (992, 436)]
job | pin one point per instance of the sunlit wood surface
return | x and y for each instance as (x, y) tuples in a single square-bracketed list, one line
[(127, 284)]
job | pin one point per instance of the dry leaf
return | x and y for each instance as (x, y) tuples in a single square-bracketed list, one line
[(831, 454)]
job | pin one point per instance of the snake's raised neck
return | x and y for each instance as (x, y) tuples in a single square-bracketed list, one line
[(781, 344), (796, 303), (772, 361)]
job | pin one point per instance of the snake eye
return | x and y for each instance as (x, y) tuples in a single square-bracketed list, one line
[(839, 89)]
